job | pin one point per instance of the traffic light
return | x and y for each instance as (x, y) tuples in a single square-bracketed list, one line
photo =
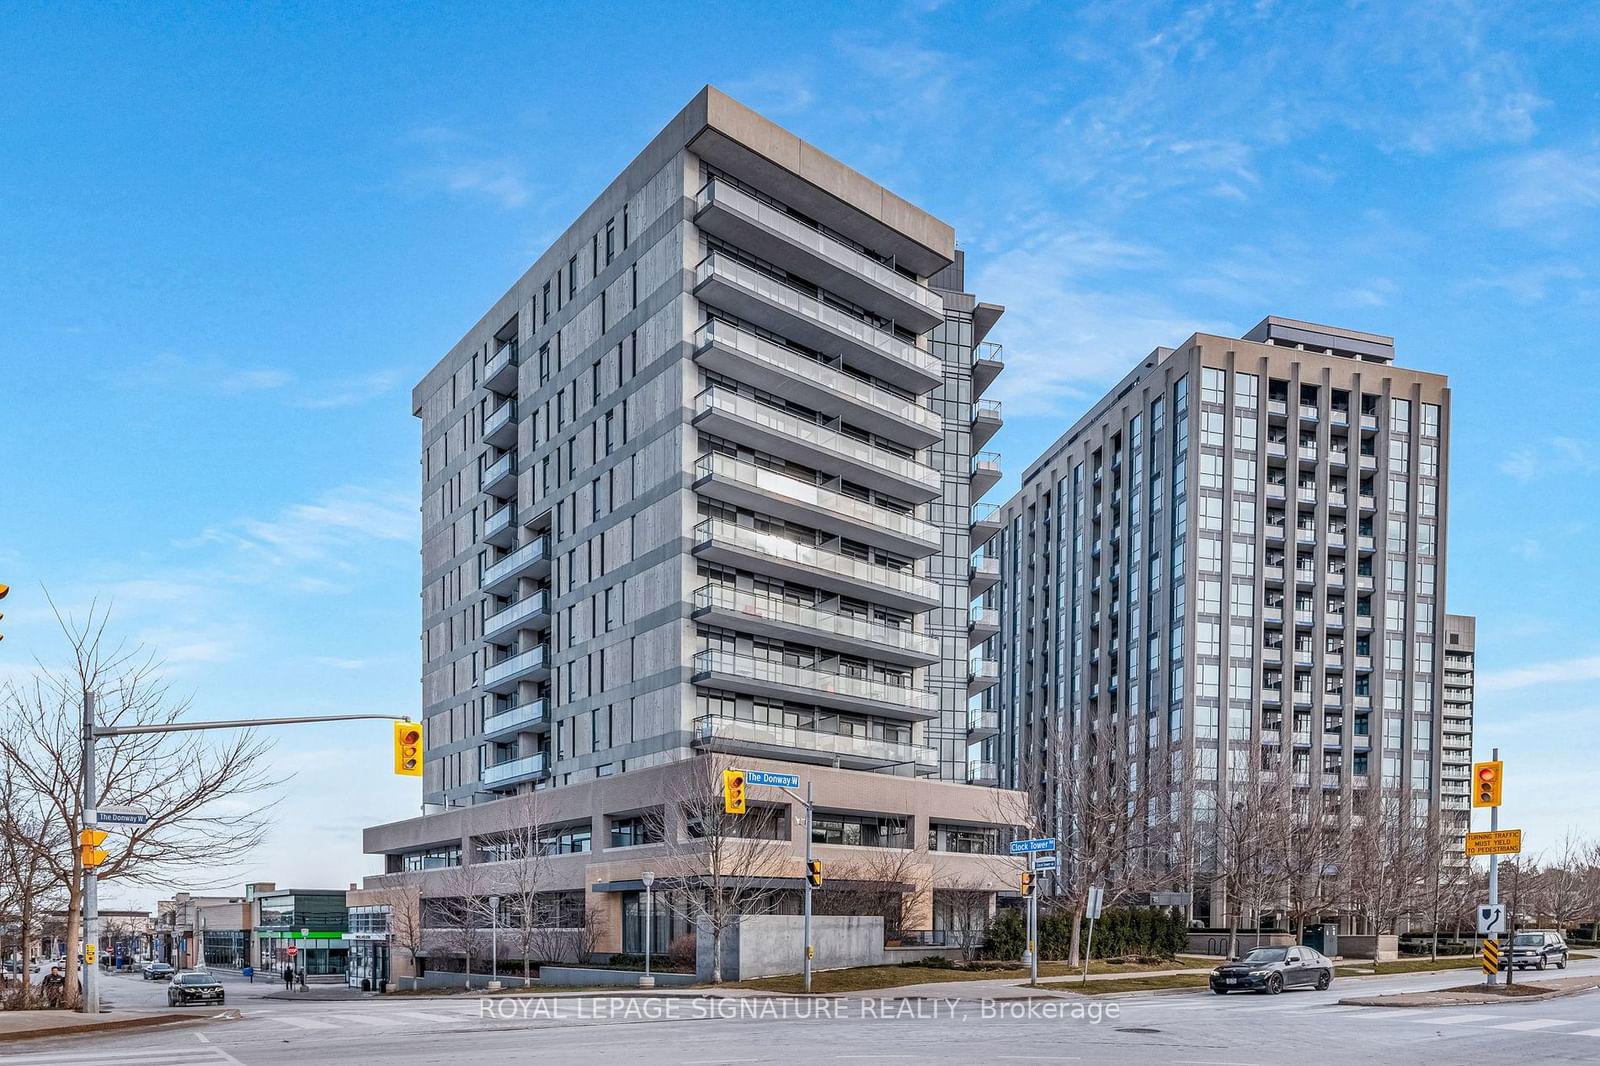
[(3, 590), (89, 841), (408, 749), (814, 872), (1027, 885), (1487, 777), (733, 791)]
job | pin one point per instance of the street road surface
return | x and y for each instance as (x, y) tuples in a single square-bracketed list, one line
[(1303, 1028)]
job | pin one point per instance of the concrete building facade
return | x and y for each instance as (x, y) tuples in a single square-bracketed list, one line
[(701, 482), (1460, 684), (1235, 559)]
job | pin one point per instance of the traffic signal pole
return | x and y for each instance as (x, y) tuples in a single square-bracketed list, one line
[(806, 932), (90, 733)]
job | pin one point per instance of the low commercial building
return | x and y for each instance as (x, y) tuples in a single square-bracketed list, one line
[(311, 922)]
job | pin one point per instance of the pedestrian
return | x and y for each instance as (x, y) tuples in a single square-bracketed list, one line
[(301, 976), (55, 984), (288, 978)]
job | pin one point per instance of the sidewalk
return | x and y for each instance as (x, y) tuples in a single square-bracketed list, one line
[(28, 1024)]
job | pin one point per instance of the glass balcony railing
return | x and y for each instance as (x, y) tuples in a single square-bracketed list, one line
[(844, 686), (500, 417), (515, 769), (982, 721), (811, 557), (511, 666), (499, 521), (986, 409), (502, 360), (519, 560), (983, 772), (797, 364), (989, 352), (771, 608), (808, 236), (808, 307), (532, 713), (793, 426), (881, 751), (501, 468), (859, 512), (527, 607)]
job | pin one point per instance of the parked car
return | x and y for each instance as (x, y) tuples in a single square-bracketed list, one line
[(194, 986), (158, 971), (1538, 949), (1271, 970)]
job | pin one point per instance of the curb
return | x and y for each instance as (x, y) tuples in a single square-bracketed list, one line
[(1475, 1001), (114, 1024)]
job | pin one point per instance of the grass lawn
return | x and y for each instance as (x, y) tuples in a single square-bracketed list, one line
[(1458, 962), (862, 978), (1133, 984)]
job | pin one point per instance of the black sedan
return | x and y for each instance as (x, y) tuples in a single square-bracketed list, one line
[(158, 971), (1271, 970), (194, 986)]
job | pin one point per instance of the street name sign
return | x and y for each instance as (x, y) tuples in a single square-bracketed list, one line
[(1023, 847), (119, 816), (764, 777), (1046, 863), (1495, 842)]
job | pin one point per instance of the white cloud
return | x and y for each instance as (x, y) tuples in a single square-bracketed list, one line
[(1537, 188), (346, 392), (499, 180), (1521, 464), (322, 531), (1560, 671)]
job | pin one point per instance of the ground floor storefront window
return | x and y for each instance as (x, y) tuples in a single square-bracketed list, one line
[(314, 957), (226, 949), (368, 961)]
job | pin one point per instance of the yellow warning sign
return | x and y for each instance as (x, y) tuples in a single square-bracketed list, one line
[(1495, 842)]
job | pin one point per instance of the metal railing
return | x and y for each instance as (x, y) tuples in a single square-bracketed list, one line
[(774, 483), (717, 531), (874, 749), (714, 661), (760, 605)]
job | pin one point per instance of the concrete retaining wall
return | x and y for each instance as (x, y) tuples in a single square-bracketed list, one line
[(1360, 947), (769, 945), (1215, 942), (601, 977)]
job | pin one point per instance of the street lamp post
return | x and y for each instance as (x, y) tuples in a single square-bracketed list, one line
[(648, 877), (494, 943)]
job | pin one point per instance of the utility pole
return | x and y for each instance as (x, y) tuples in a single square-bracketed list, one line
[(91, 908), (90, 734), (806, 933), (1494, 868)]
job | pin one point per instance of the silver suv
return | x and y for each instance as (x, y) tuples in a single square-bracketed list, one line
[(1538, 949)]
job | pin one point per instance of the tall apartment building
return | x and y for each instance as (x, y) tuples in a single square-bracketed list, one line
[(1455, 758), (702, 481), (1238, 553)]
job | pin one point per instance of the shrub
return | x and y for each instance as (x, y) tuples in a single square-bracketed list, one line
[(1006, 937), (681, 952)]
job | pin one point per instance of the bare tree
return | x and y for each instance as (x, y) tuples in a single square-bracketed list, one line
[(1393, 858), (402, 894), (28, 888), (716, 866), (968, 909), (1561, 883), (198, 790), (521, 873), (1250, 863), (881, 883), (455, 919), (1312, 848)]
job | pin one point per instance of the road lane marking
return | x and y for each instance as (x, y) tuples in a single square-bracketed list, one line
[(1533, 1023), (1456, 1019)]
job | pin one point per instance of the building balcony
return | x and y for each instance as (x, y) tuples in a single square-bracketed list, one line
[(762, 677), (724, 542), (1340, 458), (1273, 573), (1305, 495), (983, 575), (784, 371), (1305, 575), (737, 736), (734, 481), (500, 372), (1272, 655), (982, 724), (532, 560), (985, 523), (530, 665), (986, 421), (1369, 462), (1366, 544), (530, 612), (1308, 413), (1277, 449), (500, 425), (985, 472), (1277, 491), (781, 433), (1277, 409), (988, 360), (794, 244), (1307, 453), (1274, 530), (982, 674), (776, 305), (530, 717), (983, 772), (982, 623), (515, 771), (1367, 502), (499, 478), (1272, 615), (756, 612), (500, 527)]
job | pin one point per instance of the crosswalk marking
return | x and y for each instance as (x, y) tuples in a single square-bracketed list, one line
[(1586, 1032), (382, 1020), (189, 1056), (1533, 1023), (1456, 1019), (307, 1023)]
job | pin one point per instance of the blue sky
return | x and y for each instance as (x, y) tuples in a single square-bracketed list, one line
[(232, 236)]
